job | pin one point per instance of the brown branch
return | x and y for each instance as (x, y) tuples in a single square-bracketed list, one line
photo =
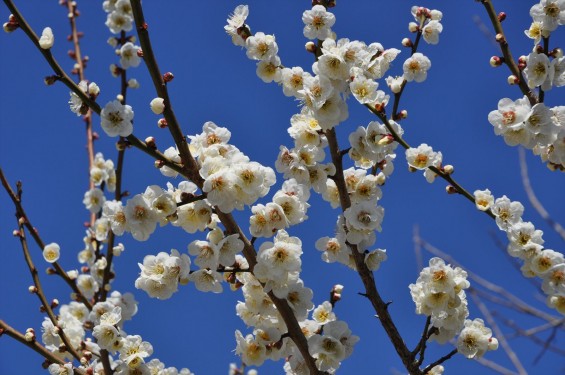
[(190, 169), (440, 361), (536, 204), (371, 292), (505, 49), (34, 345), (20, 212), (39, 289)]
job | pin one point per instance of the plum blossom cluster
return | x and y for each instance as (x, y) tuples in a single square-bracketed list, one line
[(231, 180), (128, 353), (330, 341), (526, 243), (439, 293), (373, 147), (537, 127), (90, 89), (546, 16), (534, 125), (120, 16), (102, 175)]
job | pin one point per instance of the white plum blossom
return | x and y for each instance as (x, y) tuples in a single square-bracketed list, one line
[(134, 351), (94, 200), (261, 46), (51, 252), (421, 157), (483, 199), (207, 280), (117, 119), (475, 339), (416, 68), (128, 56), (318, 23), (236, 21), (160, 274), (538, 70), (431, 31), (550, 13)]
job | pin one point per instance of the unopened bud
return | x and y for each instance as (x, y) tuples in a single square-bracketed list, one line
[(150, 141), (120, 98), (386, 140), (495, 61), (29, 335), (162, 123), (159, 164), (513, 80), (557, 53), (310, 47), (501, 16), (402, 114), (51, 271), (121, 145), (413, 27), (538, 49), (54, 303), (32, 289), (49, 80), (450, 189), (406, 42), (168, 77), (140, 53), (16, 233), (448, 169), (157, 105), (500, 38)]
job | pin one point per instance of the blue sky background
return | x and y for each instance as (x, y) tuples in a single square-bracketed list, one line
[(42, 144)]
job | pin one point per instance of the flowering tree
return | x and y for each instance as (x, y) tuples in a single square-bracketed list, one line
[(259, 230)]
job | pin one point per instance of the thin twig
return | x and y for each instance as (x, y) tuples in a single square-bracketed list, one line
[(536, 204), (6, 329), (505, 49), (499, 334), (35, 235)]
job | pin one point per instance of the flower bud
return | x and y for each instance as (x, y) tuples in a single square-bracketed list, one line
[(168, 77), (451, 189), (162, 123), (32, 289), (140, 53), (501, 16), (310, 47), (557, 53), (513, 80), (495, 61), (402, 114), (47, 38), (406, 42), (150, 141), (500, 38), (448, 169), (159, 164), (29, 335), (157, 105), (413, 27), (133, 84)]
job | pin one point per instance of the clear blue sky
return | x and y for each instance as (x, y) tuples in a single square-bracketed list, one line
[(42, 144)]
